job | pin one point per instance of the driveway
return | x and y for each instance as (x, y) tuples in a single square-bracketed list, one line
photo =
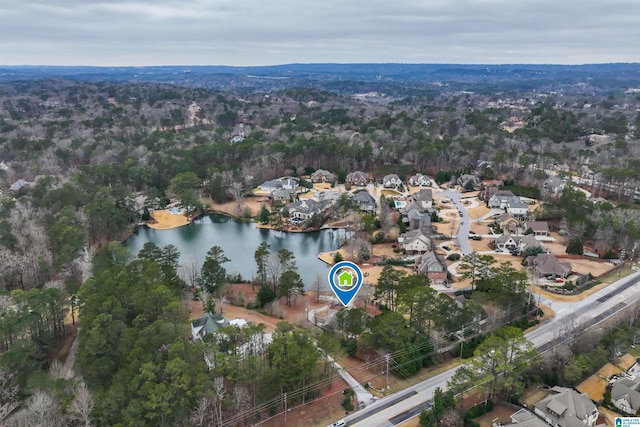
[(465, 219)]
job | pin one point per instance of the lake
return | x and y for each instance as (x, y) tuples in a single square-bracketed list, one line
[(239, 240)]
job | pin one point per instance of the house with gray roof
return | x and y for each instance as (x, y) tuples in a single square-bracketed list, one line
[(269, 186), (468, 180), (416, 241), (625, 395), (416, 220), (303, 209), (566, 407), (365, 201), (512, 204), (419, 180), (524, 418), (553, 185), (358, 178), (207, 324), (424, 198), (20, 184), (517, 243), (282, 195), (391, 181), (434, 267)]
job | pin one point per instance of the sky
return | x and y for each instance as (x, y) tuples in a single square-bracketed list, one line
[(267, 32)]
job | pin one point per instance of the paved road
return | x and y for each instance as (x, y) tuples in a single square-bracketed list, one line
[(394, 409), (465, 221)]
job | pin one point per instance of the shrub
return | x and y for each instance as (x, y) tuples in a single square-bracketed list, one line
[(453, 257), (480, 409)]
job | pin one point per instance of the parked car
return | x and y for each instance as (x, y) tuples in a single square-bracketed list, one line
[(339, 423), (499, 250), (446, 248)]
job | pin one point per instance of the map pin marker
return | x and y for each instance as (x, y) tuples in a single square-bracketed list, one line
[(345, 279)]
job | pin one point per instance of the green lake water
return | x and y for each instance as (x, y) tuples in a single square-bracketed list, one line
[(239, 240)]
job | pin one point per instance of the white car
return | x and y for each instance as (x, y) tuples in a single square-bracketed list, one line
[(339, 423)]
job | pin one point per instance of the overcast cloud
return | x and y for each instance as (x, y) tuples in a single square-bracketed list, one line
[(263, 32)]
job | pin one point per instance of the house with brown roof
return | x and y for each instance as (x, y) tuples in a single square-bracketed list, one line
[(322, 175), (547, 265), (539, 228), (508, 223)]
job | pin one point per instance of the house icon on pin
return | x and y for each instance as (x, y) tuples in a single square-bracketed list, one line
[(345, 279)]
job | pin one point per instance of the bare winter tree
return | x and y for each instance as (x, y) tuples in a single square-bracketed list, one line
[(220, 391), (237, 192), (8, 394), (200, 415), (190, 270), (80, 409), (43, 410)]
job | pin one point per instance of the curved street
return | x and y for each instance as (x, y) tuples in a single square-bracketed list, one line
[(465, 225)]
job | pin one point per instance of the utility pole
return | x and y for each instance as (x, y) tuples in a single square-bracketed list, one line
[(387, 370), (285, 408)]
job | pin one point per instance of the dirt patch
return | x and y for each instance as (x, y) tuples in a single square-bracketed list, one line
[(501, 414), (584, 266), (66, 342), (252, 204), (165, 220), (596, 385), (533, 395)]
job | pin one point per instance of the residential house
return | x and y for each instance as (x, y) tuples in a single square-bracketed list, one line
[(553, 185), (508, 223), (567, 408), (328, 195), (289, 183), (208, 324), (416, 241), (488, 192), (282, 195), (322, 175), (270, 186), (517, 207), (416, 220), (357, 178), (499, 198), (468, 181), (365, 201), (424, 198), (517, 244), (304, 209), (524, 418), (391, 181), (512, 204), (625, 395), (20, 184), (539, 228), (547, 265), (434, 267), (419, 180)]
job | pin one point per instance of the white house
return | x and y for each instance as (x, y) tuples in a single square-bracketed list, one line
[(391, 181), (419, 180)]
